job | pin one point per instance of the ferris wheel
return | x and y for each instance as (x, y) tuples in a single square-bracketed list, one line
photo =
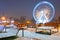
[(43, 12)]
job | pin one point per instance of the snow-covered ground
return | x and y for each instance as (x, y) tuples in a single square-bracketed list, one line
[(31, 34)]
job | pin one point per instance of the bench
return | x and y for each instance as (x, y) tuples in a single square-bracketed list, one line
[(45, 28)]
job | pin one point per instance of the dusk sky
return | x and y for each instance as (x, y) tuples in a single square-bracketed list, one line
[(18, 8)]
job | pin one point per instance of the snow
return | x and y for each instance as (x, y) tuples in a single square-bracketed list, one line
[(31, 34)]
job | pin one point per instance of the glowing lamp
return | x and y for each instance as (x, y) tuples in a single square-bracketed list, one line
[(12, 21), (3, 18), (4, 21), (28, 22)]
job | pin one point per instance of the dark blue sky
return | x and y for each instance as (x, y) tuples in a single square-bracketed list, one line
[(17, 8)]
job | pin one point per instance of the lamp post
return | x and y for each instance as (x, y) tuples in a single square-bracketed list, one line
[(3, 18)]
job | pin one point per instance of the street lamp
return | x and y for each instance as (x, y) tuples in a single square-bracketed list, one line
[(3, 19)]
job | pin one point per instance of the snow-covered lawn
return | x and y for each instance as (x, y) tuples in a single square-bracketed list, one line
[(31, 34)]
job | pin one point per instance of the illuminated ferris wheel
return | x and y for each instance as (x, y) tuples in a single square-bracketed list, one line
[(43, 12)]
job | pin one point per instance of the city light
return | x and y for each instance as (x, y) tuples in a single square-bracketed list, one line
[(3, 18), (28, 22)]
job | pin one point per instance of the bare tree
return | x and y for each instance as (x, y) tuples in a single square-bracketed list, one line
[(22, 19)]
